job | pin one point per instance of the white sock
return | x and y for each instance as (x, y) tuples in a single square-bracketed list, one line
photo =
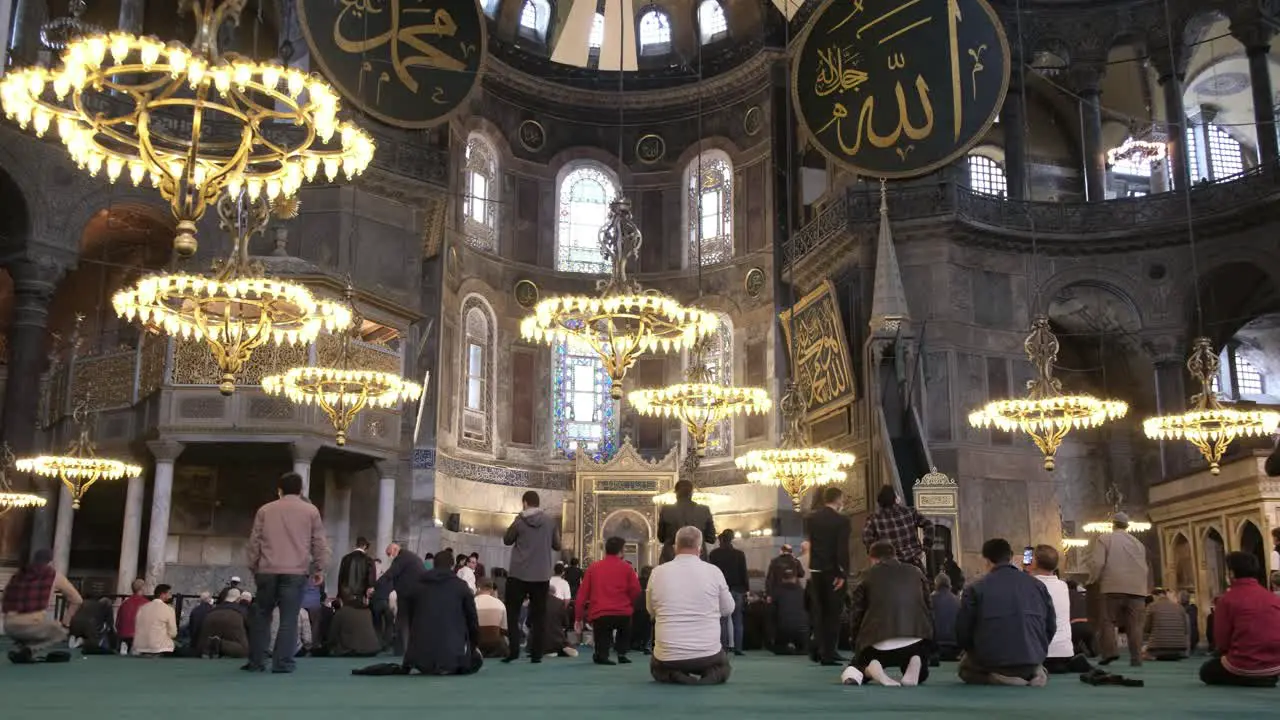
[(851, 676), (911, 677), (875, 671)]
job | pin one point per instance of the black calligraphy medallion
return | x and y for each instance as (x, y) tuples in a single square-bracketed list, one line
[(408, 63), (899, 88)]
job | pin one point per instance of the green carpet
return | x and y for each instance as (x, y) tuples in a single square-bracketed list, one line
[(763, 686)]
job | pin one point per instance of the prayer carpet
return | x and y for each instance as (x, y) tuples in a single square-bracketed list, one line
[(762, 686)]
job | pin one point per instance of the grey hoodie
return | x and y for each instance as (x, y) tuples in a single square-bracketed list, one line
[(534, 537)]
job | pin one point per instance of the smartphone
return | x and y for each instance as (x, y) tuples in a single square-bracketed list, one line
[(1027, 554)]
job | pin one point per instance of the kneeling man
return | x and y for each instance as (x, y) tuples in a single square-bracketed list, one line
[(1005, 623), (686, 598), (891, 621)]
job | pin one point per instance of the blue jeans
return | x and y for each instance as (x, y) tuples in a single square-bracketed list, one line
[(731, 626), (284, 591)]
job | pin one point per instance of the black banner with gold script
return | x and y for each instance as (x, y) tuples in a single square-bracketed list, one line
[(815, 338), (408, 63), (899, 88)]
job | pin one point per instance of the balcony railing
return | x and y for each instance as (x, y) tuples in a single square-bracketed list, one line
[(1048, 221)]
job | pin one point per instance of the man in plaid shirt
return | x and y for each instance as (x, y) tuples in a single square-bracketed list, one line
[(898, 524)]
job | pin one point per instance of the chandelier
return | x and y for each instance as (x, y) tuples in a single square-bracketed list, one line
[(1070, 542), (1208, 424), (238, 308), (1115, 499), (59, 32), (793, 465), (622, 321), (10, 498), (700, 403), (702, 498), (193, 120), (1137, 151), (343, 391), (1046, 414), (80, 467)]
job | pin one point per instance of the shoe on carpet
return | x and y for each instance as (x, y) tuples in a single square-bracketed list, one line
[(1135, 663), (1108, 661), (851, 676), (738, 653), (603, 661), (535, 660), (510, 658), (22, 655), (250, 667), (57, 656), (624, 660)]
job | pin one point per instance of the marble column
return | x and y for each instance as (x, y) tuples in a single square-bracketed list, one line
[(386, 503), (1176, 130), (304, 451), (1095, 159), (62, 531), (131, 14), (337, 522), (166, 452), (131, 536), (34, 282), (1264, 115), (1171, 397), (1014, 126)]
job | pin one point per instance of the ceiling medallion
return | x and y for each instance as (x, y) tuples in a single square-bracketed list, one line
[(526, 292), (343, 391), (1209, 425), (136, 106), (651, 149), (752, 121), (1046, 414), (238, 308), (794, 465), (754, 283), (533, 137), (623, 321)]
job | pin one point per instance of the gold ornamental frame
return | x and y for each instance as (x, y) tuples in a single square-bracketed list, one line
[(821, 293)]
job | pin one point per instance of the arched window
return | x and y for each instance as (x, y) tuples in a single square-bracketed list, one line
[(480, 189), (534, 17), (720, 370), (585, 194), (597, 32), (712, 25), (655, 33), (710, 183), (583, 414), (1132, 165), (986, 176), (476, 370), (1225, 153)]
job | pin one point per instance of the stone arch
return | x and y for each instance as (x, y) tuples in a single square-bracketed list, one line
[(68, 227), (1251, 541), (23, 219), (1232, 289), (1102, 278), (491, 132), (477, 325), (1213, 560), (1183, 565), (563, 162), (646, 540), (711, 142)]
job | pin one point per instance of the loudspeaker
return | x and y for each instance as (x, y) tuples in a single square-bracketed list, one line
[(454, 523)]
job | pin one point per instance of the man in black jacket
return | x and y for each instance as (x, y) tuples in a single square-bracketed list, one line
[(684, 513), (1005, 624), (828, 532), (891, 621), (445, 634), (786, 560), (356, 575), (402, 577), (733, 563)]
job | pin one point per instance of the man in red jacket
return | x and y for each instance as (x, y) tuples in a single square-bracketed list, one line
[(609, 591), (1246, 630), (127, 615)]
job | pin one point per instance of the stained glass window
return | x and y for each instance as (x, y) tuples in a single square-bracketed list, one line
[(1225, 153), (476, 370), (583, 412), (710, 209), (479, 204), (986, 176), (720, 368), (597, 32), (1193, 158), (1248, 378), (711, 21), (533, 18), (585, 194), (655, 33)]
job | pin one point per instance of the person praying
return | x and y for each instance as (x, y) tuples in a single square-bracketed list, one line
[(445, 636), (687, 598), (891, 621), (684, 512)]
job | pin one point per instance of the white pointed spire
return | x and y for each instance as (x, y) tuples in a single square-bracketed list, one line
[(889, 312)]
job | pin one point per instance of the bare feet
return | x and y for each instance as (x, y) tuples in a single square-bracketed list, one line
[(876, 673), (911, 677)]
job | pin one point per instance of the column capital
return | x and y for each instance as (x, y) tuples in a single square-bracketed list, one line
[(36, 277), (165, 450), (1085, 76), (304, 449), (1166, 349), (1249, 28), (387, 468)]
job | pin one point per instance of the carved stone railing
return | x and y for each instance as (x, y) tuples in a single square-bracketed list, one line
[(1064, 225)]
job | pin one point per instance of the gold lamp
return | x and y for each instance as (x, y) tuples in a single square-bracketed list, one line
[(1046, 413), (343, 391), (80, 467), (194, 120), (700, 403), (622, 322), (10, 497), (1115, 499), (238, 308), (793, 465), (1209, 425), (709, 499)]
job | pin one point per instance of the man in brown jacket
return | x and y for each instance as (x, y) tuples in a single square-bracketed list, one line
[(1118, 564), (287, 544), (891, 620)]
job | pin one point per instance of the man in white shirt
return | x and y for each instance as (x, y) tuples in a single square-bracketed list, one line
[(1062, 656), (467, 571), (559, 586), (157, 625), (686, 598), (492, 616)]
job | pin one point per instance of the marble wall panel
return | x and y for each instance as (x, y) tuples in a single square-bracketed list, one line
[(1004, 511), (937, 392), (971, 385)]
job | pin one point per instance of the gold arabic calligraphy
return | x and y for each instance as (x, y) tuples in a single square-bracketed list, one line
[(441, 24), (821, 357)]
